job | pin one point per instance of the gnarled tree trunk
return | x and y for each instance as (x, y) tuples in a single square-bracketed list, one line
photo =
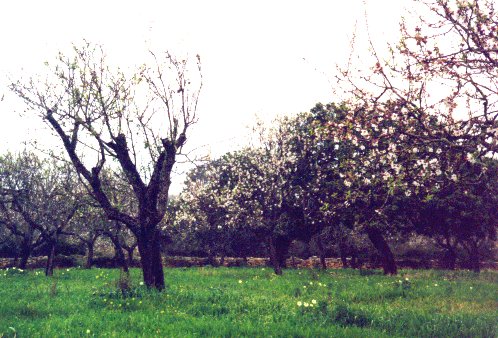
[(388, 262), (150, 259), (24, 254)]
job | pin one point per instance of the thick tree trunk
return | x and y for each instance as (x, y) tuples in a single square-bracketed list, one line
[(282, 245), (49, 268), (24, 256), (151, 261), (89, 255), (388, 262), (274, 259)]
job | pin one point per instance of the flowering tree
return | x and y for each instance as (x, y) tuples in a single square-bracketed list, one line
[(136, 123), (463, 214), (414, 120), (26, 237), (43, 195)]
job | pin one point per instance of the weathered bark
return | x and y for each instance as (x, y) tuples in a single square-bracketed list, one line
[(150, 259), (49, 268), (387, 257), (275, 262)]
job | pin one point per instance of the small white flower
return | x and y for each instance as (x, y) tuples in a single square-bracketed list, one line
[(313, 301), (306, 304), (299, 303), (240, 281)]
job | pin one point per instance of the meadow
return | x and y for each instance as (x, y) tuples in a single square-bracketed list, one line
[(249, 302)]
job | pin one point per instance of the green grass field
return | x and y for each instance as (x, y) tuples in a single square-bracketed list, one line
[(250, 302)]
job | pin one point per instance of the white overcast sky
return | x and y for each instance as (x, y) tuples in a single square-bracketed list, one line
[(259, 57)]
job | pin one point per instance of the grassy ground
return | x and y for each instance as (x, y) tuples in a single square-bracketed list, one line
[(250, 302)]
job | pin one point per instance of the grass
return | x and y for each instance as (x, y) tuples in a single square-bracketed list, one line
[(250, 302)]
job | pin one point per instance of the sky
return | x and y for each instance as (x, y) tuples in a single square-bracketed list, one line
[(259, 58)]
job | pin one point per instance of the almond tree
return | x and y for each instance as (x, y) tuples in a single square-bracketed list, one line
[(43, 195), (417, 117), (137, 123)]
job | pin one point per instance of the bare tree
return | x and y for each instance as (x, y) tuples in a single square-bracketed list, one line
[(138, 123)]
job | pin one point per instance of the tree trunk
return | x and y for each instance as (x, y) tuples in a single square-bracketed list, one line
[(450, 258), (343, 254), (321, 250), (475, 262), (130, 255), (49, 268), (150, 259), (355, 263), (118, 254), (275, 262), (388, 262), (222, 260), (24, 255), (89, 256), (212, 259)]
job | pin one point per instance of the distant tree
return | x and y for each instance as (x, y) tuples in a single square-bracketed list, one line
[(136, 123), (462, 214), (45, 196)]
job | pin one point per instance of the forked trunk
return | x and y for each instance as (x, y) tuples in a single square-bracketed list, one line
[(387, 257), (151, 261)]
